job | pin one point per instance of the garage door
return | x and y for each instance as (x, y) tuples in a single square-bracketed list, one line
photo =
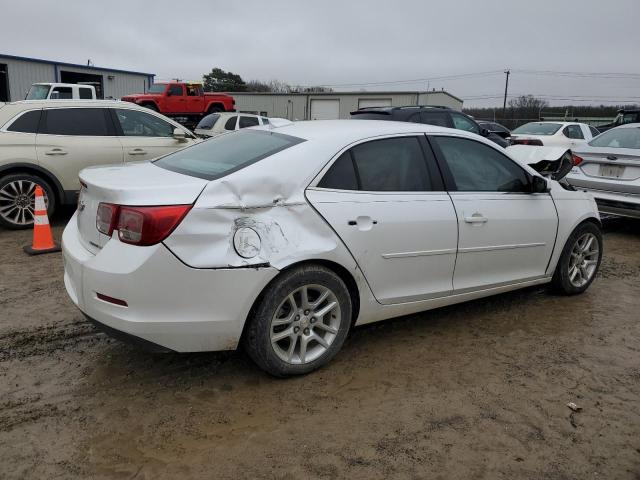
[(325, 109), (374, 102)]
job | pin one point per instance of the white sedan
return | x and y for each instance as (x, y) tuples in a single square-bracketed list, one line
[(553, 134), (282, 240)]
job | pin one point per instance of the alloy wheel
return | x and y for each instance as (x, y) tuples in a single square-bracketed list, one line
[(17, 202), (305, 324), (583, 260)]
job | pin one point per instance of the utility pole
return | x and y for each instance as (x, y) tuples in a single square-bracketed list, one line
[(506, 88)]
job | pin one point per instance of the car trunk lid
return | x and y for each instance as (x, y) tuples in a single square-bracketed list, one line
[(133, 184)]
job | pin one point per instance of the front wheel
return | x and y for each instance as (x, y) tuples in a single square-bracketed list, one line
[(580, 260), (300, 323)]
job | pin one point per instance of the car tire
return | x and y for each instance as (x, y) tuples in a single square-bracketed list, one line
[(151, 106), (579, 261), (13, 189), (214, 109), (286, 339)]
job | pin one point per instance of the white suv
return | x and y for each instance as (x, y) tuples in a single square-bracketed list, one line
[(216, 124), (48, 143)]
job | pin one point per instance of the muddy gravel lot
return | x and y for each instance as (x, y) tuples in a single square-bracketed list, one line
[(472, 391)]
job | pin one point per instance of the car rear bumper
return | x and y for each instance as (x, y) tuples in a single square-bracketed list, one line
[(168, 303), (615, 203)]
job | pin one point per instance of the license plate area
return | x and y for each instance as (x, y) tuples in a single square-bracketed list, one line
[(611, 171)]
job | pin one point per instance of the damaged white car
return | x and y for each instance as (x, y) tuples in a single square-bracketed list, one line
[(282, 240)]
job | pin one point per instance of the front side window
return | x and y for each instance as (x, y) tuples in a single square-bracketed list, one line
[(140, 124), (26, 123), (388, 165), (573, 131), (227, 153), (76, 121), (463, 123), (618, 138), (248, 122), (476, 167), (175, 90), (265, 120), (231, 123)]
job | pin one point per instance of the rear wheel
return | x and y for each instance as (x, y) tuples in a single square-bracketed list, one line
[(300, 323), (580, 260), (17, 199)]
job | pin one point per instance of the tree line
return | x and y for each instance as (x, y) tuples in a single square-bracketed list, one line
[(219, 80), (528, 108)]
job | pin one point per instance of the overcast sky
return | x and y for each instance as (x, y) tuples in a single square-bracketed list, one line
[(351, 42)]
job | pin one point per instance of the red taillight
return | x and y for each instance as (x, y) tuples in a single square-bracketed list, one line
[(106, 218), (576, 160), (149, 225), (139, 225)]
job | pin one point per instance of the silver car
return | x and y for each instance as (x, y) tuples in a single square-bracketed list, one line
[(609, 168)]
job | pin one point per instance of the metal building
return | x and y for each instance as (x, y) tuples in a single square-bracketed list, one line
[(17, 74), (333, 105)]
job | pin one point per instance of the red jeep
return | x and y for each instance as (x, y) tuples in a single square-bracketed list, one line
[(185, 100)]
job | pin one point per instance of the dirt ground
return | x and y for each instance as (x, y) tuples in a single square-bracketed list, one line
[(472, 391)]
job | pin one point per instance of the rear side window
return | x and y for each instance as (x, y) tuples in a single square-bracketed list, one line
[(228, 153), (26, 123), (440, 119), (388, 165), (248, 122), (231, 123), (76, 121), (175, 90), (594, 131), (85, 93), (573, 131), (341, 175), (476, 167)]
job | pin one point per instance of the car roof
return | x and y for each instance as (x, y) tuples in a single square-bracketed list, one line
[(345, 131), (558, 123), (628, 125)]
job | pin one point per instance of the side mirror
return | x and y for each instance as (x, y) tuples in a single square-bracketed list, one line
[(179, 135), (539, 185), (485, 132)]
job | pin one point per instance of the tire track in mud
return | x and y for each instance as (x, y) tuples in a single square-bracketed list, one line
[(23, 343)]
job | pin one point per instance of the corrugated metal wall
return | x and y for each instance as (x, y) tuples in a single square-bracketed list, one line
[(22, 74), (296, 106)]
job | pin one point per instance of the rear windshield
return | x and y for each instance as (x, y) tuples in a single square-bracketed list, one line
[(538, 129), (618, 138), (226, 153), (208, 122)]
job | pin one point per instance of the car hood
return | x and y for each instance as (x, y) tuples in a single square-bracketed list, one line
[(553, 162)]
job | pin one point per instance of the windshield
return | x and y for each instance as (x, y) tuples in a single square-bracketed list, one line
[(618, 138), (227, 153), (537, 128), (157, 88), (38, 92)]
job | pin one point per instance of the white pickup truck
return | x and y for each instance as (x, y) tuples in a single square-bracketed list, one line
[(61, 91)]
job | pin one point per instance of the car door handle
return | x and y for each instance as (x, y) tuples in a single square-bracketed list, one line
[(476, 218), (364, 223), (55, 151), (137, 151)]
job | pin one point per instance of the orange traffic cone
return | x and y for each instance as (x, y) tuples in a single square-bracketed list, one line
[(42, 237)]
